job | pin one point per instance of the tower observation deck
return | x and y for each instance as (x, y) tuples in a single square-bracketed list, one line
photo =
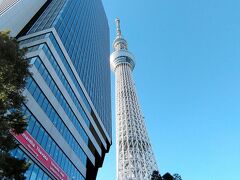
[(135, 158)]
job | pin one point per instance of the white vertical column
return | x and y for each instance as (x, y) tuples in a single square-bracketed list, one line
[(135, 158)]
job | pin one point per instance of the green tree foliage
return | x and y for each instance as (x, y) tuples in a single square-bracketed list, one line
[(14, 70), (177, 177), (155, 175), (167, 176)]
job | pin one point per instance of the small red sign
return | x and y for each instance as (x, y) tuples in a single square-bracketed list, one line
[(40, 154)]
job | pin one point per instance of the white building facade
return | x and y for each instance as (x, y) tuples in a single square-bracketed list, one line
[(15, 14)]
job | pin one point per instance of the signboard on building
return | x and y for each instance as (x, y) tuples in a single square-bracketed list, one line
[(40, 154)]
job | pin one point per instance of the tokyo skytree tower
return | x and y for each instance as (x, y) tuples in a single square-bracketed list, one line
[(135, 158)]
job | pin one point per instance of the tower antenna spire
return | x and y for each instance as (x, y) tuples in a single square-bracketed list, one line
[(118, 27), (135, 158)]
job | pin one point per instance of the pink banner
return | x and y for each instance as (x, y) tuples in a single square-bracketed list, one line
[(40, 154)]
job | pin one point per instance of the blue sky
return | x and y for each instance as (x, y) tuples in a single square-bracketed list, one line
[(187, 77)]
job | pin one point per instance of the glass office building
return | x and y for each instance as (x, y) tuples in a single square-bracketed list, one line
[(68, 96)]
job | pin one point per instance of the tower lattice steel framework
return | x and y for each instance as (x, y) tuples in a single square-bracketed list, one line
[(135, 158)]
